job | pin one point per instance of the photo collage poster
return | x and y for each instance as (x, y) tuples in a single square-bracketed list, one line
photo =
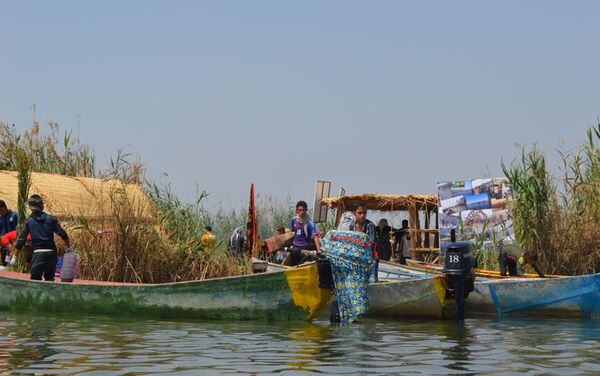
[(477, 209)]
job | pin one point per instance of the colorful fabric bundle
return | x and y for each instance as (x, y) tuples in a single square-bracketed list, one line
[(350, 258)]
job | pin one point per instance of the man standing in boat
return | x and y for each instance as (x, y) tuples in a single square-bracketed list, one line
[(42, 227), (362, 224), (306, 241), (384, 247), (402, 243)]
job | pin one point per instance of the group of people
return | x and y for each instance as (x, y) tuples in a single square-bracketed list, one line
[(306, 242), (385, 242), (37, 235)]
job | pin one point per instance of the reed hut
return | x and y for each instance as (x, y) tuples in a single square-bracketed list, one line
[(92, 199), (422, 216)]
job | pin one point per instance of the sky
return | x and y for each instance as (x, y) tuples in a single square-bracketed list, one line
[(374, 96)]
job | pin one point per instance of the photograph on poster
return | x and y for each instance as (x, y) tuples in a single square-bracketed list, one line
[(477, 209)]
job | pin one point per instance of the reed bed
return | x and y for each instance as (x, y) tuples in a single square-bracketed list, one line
[(121, 247), (557, 217), (121, 244)]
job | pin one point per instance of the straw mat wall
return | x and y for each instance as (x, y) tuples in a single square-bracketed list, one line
[(66, 197)]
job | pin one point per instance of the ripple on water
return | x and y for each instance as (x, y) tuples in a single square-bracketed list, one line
[(109, 346)]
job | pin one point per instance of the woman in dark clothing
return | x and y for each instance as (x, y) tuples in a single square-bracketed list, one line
[(382, 236), (42, 227)]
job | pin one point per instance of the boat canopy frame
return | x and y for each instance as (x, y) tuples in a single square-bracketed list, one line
[(418, 206)]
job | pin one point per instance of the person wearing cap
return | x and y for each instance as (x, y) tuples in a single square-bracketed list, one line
[(42, 227)]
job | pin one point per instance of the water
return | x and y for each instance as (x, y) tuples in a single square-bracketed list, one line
[(92, 345)]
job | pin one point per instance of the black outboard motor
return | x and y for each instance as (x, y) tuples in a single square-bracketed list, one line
[(458, 267), (326, 282), (325, 273)]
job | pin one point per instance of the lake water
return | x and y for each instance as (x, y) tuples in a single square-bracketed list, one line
[(93, 345)]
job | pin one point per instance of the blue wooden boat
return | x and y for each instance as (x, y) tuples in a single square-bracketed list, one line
[(577, 296)]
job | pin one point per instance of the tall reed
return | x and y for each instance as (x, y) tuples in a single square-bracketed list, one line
[(556, 217), (23, 166)]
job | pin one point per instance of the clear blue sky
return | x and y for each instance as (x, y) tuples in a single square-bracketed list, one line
[(383, 96)]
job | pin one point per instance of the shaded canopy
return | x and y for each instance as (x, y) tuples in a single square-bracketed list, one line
[(375, 201), (66, 197)]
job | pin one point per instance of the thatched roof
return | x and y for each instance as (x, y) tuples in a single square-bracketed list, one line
[(375, 201), (66, 197)]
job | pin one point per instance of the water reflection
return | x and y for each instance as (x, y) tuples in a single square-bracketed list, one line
[(459, 354), (88, 345)]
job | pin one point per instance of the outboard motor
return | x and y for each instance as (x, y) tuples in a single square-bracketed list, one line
[(458, 267), (326, 282), (325, 273)]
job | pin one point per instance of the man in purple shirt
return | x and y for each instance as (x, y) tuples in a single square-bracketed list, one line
[(306, 241)]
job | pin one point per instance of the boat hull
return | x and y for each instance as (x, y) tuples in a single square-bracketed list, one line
[(577, 296), (412, 298), (288, 295)]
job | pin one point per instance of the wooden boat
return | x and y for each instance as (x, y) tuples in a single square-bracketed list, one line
[(421, 294), (401, 294), (416, 297), (286, 295), (436, 268), (577, 296)]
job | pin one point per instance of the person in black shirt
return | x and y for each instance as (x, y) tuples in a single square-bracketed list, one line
[(382, 238), (42, 227)]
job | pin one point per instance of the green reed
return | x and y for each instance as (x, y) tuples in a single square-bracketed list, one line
[(557, 217)]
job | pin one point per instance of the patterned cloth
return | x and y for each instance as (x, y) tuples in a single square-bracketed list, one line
[(350, 256)]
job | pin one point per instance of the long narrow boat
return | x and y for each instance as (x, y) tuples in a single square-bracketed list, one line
[(577, 296), (286, 295), (416, 297), (485, 273), (407, 292), (401, 294)]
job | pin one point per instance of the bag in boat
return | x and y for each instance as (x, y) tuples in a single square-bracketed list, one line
[(350, 258), (70, 266)]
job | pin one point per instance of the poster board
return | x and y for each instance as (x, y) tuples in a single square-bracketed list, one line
[(478, 210)]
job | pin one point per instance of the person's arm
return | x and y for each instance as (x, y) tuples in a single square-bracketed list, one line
[(520, 271), (22, 236), (62, 233), (396, 244), (538, 271), (314, 234), (13, 253)]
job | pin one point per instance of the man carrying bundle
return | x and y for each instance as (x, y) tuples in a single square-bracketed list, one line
[(42, 227)]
